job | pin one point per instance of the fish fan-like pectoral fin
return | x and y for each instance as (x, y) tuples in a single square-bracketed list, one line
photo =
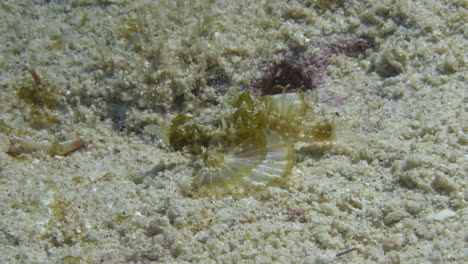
[(253, 164), (277, 162)]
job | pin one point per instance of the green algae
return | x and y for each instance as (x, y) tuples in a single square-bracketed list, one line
[(39, 99)]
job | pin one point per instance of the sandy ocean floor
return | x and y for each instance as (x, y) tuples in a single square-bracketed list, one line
[(114, 72)]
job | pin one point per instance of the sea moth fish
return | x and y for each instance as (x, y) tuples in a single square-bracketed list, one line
[(247, 143)]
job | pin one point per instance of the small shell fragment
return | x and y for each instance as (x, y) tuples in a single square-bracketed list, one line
[(63, 149), (20, 146)]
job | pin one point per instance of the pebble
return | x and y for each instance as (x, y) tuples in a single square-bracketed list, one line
[(442, 215)]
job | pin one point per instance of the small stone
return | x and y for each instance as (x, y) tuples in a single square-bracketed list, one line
[(395, 242), (425, 232), (413, 207), (394, 217), (157, 226), (444, 184), (442, 215), (178, 249)]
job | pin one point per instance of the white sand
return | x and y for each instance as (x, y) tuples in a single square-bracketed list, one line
[(398, 193)]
